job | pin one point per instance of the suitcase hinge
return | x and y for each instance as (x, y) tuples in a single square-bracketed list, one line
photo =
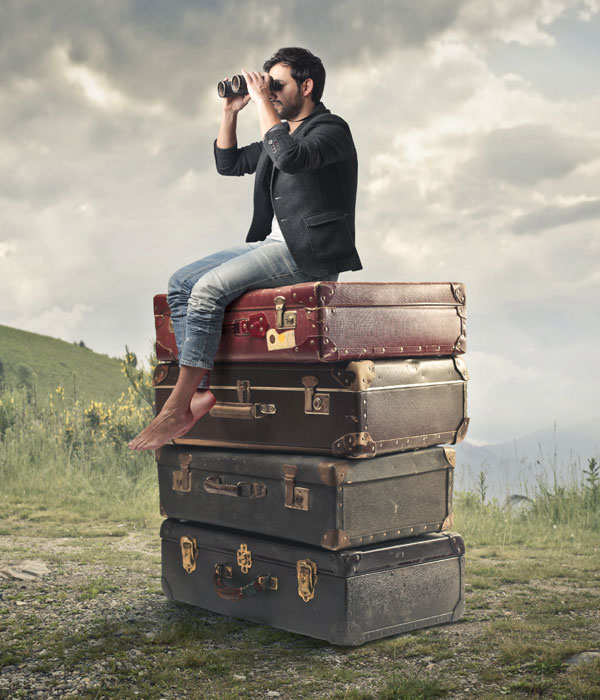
[(314, 403), (182, 478), (284, 319), (189, 553), (307, 579), (244, 558), (295, 496)]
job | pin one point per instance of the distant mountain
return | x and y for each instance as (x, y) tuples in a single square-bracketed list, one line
[(516, 466), (46, 363)]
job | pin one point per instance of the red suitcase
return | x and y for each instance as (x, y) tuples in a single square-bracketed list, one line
[(332, 321)]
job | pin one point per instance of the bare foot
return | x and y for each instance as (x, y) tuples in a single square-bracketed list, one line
[(172, 423), (202, 401)]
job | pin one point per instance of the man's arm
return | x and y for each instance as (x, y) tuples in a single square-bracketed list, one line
[(325, 143), (230, 159)]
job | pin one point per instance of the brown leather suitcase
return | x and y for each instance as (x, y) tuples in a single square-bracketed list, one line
[(330, 503), (332, 321), (353, 409), (348, 597)]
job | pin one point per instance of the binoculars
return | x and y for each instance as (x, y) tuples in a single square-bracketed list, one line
[(237, 86)]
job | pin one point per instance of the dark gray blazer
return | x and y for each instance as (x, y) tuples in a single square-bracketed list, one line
[(308, 178)]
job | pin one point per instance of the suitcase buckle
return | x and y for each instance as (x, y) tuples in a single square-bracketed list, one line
[(284, 319), (295, 496), (313, 402), (182, 478), (189, 553), (306, 571)]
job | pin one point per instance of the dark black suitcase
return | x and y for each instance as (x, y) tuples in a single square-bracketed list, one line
[(353, 409), (331, 503), (347, 598)]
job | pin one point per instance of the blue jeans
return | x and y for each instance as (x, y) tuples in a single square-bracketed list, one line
[(198, 293)]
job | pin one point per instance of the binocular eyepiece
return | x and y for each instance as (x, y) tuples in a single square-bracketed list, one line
[(237, 86)]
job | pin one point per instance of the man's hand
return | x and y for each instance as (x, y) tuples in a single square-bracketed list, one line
[(259, 89), (258, 86), (236, 103)]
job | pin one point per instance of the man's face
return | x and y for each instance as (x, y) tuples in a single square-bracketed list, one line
[(287, 102)]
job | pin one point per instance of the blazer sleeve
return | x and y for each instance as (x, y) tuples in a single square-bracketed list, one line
[(237, 161), (323, 145)]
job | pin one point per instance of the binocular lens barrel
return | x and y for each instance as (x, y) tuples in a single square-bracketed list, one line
[(224, 89), (237, 86)]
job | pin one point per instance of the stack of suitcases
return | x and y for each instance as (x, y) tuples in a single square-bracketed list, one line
[(316, 496)]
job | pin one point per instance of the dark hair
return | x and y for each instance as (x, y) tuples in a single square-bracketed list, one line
[(303, 65)]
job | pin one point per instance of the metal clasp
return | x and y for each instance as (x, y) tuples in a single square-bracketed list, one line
[(306, 571), (313, 402), (182, 478), (284, 319), (243, 390), (295, 496), (244, 558), (189, 553)]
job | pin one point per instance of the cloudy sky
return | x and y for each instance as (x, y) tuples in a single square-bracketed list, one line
[(477, 124)]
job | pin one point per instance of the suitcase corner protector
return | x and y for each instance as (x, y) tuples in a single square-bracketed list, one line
[(335, 539), (333, 473), (355, 445), (346, 634)]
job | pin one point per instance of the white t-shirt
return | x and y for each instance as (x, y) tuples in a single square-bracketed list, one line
[(275, 234)]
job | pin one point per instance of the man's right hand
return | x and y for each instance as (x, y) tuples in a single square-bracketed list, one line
[(236, 103)]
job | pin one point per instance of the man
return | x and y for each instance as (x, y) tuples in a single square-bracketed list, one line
[(302, 227)]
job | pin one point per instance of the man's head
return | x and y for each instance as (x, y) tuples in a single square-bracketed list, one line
[(300, 67)]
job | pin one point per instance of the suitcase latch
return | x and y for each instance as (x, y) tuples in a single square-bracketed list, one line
[(307, 579), (284, 319), (313, 402), (295, 496), (243, 390), (189, 553), (244, 558), (182, 478)]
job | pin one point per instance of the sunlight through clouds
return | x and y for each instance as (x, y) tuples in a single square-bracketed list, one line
[(475, 165)]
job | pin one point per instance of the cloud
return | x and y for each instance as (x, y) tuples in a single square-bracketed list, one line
[(526, 154), (553, 216), (57, 322), (109, 111)]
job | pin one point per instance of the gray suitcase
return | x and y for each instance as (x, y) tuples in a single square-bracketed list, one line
[(353, 409), (347, 598), (321, 501)]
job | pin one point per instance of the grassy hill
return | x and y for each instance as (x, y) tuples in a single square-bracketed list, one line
[(46, 363)]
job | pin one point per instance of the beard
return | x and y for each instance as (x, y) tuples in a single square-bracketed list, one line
[(292, 109)]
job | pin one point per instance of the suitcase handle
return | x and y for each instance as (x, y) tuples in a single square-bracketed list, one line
[(243, 489), (242, 411), (261, 584)]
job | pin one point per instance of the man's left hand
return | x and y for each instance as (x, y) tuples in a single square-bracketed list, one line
[(258, 86)]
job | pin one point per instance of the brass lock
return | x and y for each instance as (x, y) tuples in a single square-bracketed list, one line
[(244, 558), (189, 553), (182, 478), (306, 571)]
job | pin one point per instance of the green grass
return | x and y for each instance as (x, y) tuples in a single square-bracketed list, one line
[(75, 497), (45, 363)]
